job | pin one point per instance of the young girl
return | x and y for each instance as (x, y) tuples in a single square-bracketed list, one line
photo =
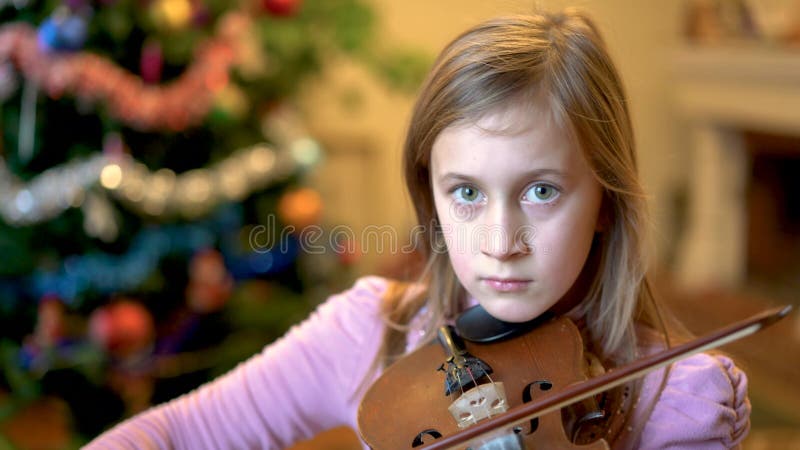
[(520, 161)]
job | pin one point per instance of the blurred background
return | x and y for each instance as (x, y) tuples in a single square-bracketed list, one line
[(162, 159)]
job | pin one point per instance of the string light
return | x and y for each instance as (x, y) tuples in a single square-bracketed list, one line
[(162, 193), (111, 176), (48, 194)]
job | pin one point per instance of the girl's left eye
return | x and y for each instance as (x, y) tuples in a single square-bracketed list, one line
[(467, 194), (542, 193)]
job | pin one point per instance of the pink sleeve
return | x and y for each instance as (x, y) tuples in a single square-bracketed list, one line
[(302, 384), (704, 405)]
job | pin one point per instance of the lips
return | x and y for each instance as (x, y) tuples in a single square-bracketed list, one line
[(506, 284)]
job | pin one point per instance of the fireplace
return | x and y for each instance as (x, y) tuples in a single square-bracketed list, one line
[(741, 107), (773, 208)]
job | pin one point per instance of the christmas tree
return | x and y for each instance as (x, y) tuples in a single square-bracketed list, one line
[(151, 190)]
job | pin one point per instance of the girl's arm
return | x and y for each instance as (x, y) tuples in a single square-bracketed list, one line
[(302, 384), (704, 405)]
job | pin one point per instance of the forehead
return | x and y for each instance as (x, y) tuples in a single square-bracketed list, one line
[(527, 133), (517, 117)]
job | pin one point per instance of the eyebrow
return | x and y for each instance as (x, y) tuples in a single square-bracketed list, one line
[(535, 173)]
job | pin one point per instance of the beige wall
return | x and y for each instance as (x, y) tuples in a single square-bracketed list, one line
[(640, 35)]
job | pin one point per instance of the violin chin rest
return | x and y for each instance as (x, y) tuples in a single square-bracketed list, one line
[(477, 325)]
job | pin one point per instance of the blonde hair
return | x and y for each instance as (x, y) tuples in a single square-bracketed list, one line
[(562, 57)]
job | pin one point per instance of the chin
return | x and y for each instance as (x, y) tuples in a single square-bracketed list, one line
[(509, 311)]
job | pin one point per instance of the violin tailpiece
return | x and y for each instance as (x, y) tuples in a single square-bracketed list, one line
[(462, 369)]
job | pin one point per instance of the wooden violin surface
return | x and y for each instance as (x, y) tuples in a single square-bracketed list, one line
[(407, 403)]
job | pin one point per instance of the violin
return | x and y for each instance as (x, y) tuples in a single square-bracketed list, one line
[(491, 385)]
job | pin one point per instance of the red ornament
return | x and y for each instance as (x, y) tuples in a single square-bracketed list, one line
[(283, 8), (348, 251), (50, 321), (152, 62), (210, 284), (122, 328)]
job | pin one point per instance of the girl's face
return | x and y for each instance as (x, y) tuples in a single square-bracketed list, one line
[(518, 206)]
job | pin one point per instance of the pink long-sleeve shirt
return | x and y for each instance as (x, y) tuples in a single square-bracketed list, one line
[(310, 379)]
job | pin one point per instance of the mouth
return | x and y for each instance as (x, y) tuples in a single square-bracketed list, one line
[(506, 284)]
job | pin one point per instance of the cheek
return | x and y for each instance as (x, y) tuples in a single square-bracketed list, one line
[(460, 248), (559, 264), (571, 238), (563, 249), (460, 265), (455, 235)]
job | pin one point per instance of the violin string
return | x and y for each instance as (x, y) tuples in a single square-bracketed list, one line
[(485, 403), (471, 376), (458, 378), (461, 387), (497, 392)]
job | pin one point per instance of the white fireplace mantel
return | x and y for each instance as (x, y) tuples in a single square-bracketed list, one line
[(719, 93)]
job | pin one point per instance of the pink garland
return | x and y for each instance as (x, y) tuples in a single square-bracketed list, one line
[(173, 106)]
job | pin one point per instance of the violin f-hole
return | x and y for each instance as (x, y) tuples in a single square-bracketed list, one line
[(587, 420), (527, 396), (544, 385), (430, 432)]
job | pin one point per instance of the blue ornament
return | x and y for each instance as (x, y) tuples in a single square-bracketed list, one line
[(258, 264), (27, 356), (48, 35), (63, 33)]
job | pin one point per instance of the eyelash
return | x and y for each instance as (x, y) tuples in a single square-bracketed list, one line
[(455, 193), (556, 194)]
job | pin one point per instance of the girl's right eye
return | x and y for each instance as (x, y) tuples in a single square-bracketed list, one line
[(467, 194)]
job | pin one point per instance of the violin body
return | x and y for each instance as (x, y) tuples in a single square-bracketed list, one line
[(407, 405)]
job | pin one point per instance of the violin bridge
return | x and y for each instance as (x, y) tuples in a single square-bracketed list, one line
[(478, 403)]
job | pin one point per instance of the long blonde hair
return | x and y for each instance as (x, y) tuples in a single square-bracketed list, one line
[(562, 56)]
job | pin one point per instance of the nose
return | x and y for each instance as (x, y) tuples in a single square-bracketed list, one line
[(505, 233)]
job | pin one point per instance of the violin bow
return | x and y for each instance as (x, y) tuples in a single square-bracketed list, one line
[(614, 377)]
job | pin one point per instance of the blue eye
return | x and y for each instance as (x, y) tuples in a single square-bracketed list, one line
[(542, 193), (467, 194)]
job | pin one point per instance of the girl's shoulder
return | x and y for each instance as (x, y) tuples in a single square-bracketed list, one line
[(373, 289), (363, 300), (366, 293), (364, 309), (702, 401), (346, 319), (370, 295)]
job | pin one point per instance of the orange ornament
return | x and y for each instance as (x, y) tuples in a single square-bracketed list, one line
[(300, 208)]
